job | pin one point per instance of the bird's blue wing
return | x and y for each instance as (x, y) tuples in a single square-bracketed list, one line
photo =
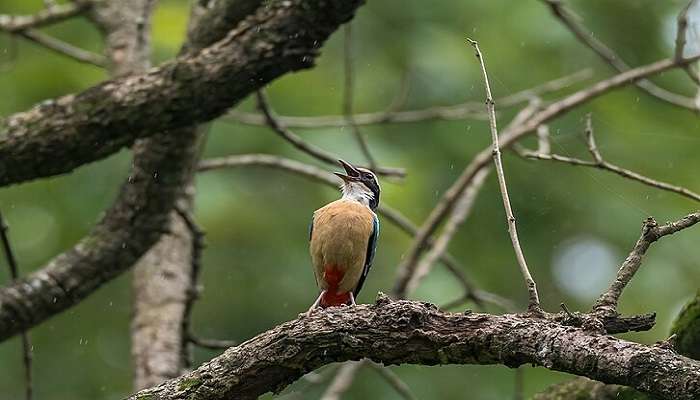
[(371, 249)]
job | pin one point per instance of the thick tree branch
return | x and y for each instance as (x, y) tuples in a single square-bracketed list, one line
[(58, 136), (397, 332), (235, 66)]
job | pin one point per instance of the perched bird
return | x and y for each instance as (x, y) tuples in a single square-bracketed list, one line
[(343, 238)]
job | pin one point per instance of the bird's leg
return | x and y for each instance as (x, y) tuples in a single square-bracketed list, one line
[(316, 303), (352, 299)]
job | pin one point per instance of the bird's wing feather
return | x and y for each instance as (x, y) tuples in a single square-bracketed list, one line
[(311, 227), (371, 249)]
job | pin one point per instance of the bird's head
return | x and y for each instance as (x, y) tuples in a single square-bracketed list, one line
[(359, 184)]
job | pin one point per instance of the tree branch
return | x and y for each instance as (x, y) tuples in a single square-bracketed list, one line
[(651, 232), (63, 48), (609, 56), (534, 299), (58, 136), (396, 332), (47, 16), (300, 144)]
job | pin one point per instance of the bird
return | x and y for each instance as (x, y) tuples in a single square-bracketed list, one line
[(343, 238)]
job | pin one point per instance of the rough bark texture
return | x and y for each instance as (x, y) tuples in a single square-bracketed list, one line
[(161, 285), (397, 332), (57, 136)]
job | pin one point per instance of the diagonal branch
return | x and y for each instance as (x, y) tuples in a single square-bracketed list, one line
[(600, 163), (64, 48), (534, 300), (651, 232), (47, 16), (396, 332), (613, 59), (300, 144)]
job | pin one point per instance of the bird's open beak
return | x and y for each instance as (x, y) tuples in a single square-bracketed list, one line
[(352, 173)]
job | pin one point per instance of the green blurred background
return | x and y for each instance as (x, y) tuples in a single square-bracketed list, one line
[(576, 224)]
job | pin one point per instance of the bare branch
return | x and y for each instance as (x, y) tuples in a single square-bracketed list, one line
[(14, 275), (456, 219), (608, 55), (600, 163), (590, 140), (468, 110), (396, 332), (534, 300), (47, 16), (651, 232), (213, 344), (64, 48), (307, 148)]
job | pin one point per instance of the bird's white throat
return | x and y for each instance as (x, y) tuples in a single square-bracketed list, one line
[(357, 191)]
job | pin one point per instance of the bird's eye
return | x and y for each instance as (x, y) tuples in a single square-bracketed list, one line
[(368, 176)]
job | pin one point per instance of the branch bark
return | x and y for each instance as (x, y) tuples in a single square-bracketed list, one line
[(396, 332)]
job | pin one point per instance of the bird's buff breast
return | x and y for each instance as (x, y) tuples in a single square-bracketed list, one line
[(339, 241)]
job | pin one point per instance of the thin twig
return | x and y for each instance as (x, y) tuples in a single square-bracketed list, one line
[(348, 97), (193, 293), (46, 16), (534, 300), (213, 344), (64, 48), (651, 232), (468, 110), (393, 380), (14, 275), (585, 36), (307, 148), (600, 163)]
